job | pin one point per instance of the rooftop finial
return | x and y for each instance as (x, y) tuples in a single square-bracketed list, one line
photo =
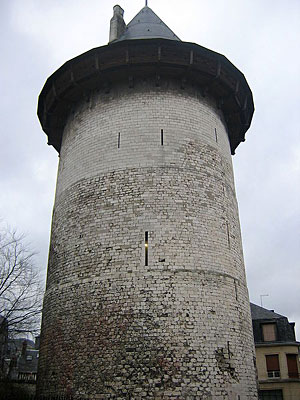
[(146, 3)]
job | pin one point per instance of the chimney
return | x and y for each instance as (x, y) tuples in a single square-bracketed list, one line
[(24, 348), (37, 342), (117, 24)]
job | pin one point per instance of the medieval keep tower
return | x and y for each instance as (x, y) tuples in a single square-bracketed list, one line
[(146, 293)]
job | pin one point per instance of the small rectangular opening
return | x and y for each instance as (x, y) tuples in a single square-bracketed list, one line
[(162, 137), (146, 248), (119, 139)]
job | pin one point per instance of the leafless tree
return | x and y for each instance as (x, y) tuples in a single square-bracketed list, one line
[(20, 289)]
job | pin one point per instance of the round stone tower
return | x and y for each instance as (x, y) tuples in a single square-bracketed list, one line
[(146, 293)]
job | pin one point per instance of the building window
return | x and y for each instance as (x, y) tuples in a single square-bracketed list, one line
[(270, 395), (292, 365), (273, 369), (269, 332)]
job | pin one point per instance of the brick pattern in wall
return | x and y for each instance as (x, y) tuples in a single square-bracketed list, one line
[(178, 327)]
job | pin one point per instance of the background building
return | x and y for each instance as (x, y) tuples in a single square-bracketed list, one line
[(277, 355), (19, 369), (21, 360)]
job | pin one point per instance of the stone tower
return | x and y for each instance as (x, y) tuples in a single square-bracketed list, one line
[(146, 293)]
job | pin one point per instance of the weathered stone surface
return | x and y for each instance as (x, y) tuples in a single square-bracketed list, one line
[(180, 327)]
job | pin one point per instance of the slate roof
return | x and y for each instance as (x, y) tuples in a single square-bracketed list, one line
[(17, 344), (258, 312), (285, 330), (147, 25)]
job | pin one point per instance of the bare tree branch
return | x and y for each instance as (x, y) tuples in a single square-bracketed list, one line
[(20, 289)]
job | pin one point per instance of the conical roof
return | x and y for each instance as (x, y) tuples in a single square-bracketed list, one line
[(147, 25), (210, 71)]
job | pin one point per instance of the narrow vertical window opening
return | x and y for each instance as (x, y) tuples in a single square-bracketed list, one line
[(228, 235), (162, 137), (119, 139), (236, 291), (216, 135), (146, 248), (228, 348)]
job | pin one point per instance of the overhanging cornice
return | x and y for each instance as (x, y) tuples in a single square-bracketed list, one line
[(102, 67)]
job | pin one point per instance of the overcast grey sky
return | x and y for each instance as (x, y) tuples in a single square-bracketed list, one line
[(260, 37)]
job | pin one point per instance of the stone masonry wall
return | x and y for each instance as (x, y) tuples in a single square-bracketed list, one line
[(179, 327)]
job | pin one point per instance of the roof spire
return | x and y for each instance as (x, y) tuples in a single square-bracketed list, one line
[(146, 3)]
